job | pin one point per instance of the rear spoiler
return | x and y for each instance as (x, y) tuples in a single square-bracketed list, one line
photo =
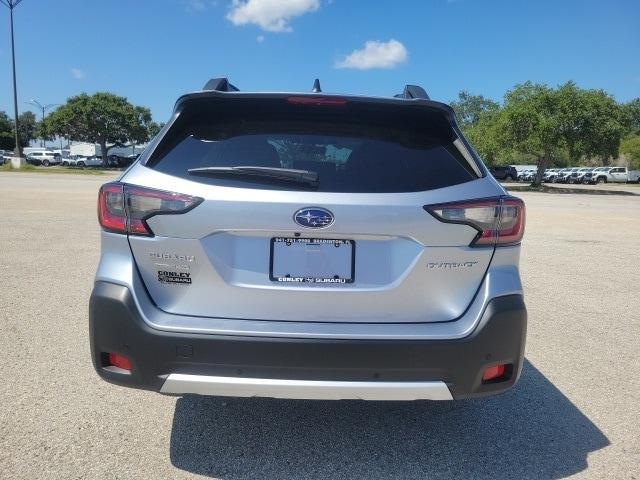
[(221, 87), (222, 84)]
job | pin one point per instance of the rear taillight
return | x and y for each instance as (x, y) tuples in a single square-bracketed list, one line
[(499, 221), (111, 214), (126, 208)]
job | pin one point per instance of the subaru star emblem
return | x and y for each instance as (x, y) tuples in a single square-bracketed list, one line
[(313, 217)]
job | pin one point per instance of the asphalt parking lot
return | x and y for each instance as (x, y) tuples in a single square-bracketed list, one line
[(575, 410)]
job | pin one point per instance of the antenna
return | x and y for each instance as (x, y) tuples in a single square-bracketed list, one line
[(221, 85), (316, 86), (413, 91)]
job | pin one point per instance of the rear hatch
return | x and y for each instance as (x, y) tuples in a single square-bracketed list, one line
[(345, 239)]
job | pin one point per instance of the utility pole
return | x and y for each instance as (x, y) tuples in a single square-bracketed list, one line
[(43, 109), (11, 4)]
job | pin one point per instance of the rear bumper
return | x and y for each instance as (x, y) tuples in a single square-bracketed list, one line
[(232, 365), (178, 383)]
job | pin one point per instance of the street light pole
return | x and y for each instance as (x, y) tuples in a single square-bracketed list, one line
[(11, 4), (43, 109)]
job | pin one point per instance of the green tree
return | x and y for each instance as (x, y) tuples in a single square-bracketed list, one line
[(631, 112), (550, 124), (7, 141), (471, 108), (484, 138), (529, 123), (27, 128), (595, 124), (154, 128), (630, 147), (26, 131), (102, 118)]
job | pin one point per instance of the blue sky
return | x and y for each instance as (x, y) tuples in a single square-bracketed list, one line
[(151, 51)]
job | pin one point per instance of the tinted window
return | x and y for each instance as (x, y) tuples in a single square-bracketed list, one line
[(351, 151)]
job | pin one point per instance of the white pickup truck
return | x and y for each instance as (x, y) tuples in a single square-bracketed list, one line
[(614, 175)]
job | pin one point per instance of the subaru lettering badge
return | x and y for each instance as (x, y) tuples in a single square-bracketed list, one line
[(313, 217)]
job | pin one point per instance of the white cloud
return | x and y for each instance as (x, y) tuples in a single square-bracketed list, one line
[(375, 54), (78, 74), (270, 15), (260, 38)]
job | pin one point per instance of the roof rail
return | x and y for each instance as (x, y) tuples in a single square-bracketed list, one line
[(220, 85), (413, 91)]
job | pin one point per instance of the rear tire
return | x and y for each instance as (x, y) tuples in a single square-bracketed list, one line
[(80, 164), (45, 163), (602, 180)]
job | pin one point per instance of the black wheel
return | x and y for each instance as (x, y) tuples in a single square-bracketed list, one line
[(602, 179), (80, 164), (508, 178), (45, 163), (65, 164)]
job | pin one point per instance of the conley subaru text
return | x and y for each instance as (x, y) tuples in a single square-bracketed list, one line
[(309, 246)]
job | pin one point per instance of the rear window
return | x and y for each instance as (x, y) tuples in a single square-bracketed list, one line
[(353, 148)]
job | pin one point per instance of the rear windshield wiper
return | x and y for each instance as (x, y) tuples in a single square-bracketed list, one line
[(287, 175)]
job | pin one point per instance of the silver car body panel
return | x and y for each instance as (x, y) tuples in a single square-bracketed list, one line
[(410, 267), (181, 384), (117, 265)]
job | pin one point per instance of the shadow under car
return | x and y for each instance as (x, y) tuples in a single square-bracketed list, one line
[(531, 431)]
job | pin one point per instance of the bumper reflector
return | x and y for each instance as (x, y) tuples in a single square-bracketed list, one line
[(493, 373), (119, 361)]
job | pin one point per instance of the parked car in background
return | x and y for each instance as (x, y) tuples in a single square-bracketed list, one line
[(506, 172), (94, 161), (4, 154), (44, 158), (527, 175), (634, 176), (121, 161), (589, 176), (561, 175), (131, 158), (550, 174), (619, 175), (609, 175), (564, 175), (72, 160), (578, 175)]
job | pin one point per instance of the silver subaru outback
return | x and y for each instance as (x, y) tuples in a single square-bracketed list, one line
[(310, 246)]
